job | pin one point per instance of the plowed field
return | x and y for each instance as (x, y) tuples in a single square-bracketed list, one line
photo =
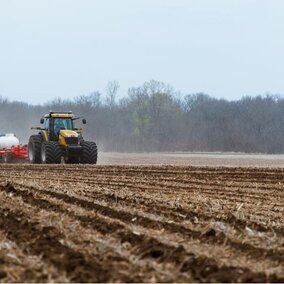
[(141, 223)]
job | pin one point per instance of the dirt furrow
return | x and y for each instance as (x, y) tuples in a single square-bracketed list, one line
[(206, 234), (148, 247), (46, 242), (198, 212), (204, 182), (200, 172), (153, 244), (265, 212), (18, 266), (124, 268), (144, 223)]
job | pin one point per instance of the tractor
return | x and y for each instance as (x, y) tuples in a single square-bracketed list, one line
[(58, 140)]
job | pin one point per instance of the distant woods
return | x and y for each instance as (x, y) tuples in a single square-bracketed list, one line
[(154, 117)]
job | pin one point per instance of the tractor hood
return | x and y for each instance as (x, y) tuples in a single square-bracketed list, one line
[(68, 133)]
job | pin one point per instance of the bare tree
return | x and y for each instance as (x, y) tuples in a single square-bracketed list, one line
[(111, 91), (153, 118)]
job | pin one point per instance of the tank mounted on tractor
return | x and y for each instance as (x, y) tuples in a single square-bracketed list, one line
[(58, 140)]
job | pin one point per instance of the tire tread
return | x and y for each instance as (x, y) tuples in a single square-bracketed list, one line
[(89, 152), (53, 152), (36, 141)]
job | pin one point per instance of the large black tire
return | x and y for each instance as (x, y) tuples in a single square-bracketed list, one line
[(51, 153), (34, 149), (72, 160), (89, 153)]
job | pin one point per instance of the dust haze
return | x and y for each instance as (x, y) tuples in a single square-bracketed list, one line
[(155, 117)]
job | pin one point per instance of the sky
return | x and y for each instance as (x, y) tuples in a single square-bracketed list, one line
[(67, 48)]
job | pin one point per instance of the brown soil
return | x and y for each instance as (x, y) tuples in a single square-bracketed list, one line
[(141, 224)]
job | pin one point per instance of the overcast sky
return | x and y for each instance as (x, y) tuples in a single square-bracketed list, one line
[(65, 48)]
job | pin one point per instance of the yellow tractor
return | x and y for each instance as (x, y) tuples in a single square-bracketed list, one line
[(60, 141)]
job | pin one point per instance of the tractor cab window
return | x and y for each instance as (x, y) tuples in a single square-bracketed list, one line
[(62, 124), (46, 123)]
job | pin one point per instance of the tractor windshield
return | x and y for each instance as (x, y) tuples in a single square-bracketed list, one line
[(62, 123)]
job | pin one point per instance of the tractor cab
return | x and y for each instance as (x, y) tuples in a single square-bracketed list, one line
[(56, 124)]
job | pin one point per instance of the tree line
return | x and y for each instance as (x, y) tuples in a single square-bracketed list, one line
[(154, 117)]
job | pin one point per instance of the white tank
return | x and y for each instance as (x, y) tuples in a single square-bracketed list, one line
[(8, 140)]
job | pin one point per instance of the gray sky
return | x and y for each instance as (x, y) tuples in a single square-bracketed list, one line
[(65, 48)]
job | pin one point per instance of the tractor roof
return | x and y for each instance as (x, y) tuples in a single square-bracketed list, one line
[(68, 114)]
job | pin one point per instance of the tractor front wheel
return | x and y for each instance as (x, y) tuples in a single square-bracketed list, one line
[(51, 153), (34, 149), (89, 153)]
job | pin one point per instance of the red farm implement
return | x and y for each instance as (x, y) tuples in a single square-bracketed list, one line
[(14, 154)]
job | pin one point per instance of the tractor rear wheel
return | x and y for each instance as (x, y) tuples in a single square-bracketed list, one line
[(89, 153), (34, 149), (51, 153)]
